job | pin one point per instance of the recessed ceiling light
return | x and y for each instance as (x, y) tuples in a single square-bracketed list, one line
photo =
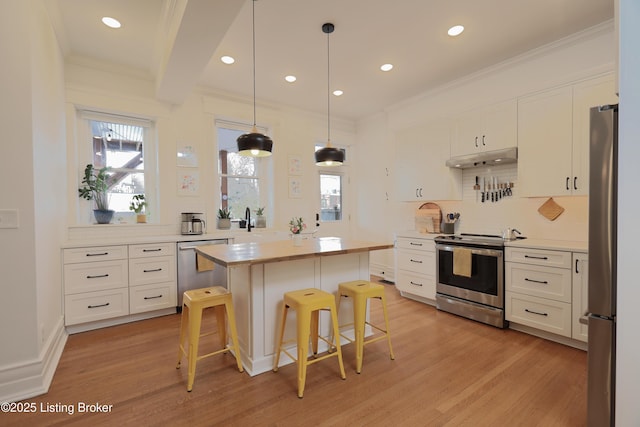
[(227, 59), (111, 22), (456, 30), (386, 67), (337, 92), (290, 79)]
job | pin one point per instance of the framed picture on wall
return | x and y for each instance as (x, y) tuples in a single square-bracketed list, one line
[(188, 183), (186, 156), (295, 187)]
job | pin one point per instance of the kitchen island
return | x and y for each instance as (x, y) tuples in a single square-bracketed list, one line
[(258, 275)]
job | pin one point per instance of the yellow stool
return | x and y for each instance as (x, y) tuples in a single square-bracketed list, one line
[(194, 303), (360, 291), (307, 303)]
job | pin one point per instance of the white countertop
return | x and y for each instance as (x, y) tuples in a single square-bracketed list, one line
[(556, 245), (414, 234)]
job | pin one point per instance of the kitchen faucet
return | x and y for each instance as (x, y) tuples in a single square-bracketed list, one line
[(247, 217)]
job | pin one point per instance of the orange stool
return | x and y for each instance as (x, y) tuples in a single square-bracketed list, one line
[(360, 291), (307, 303), (194, 303)]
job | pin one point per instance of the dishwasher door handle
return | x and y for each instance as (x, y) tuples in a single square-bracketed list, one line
[(187, 248)]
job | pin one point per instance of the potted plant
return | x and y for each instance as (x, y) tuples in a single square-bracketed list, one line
[(261, 221), (296, 225), (224, 219), (138, 205), (96, 187)]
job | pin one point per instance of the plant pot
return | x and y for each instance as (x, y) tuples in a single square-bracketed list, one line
[(141, 218), (261, 221), (103, 216), (224, 223), (297, 240)]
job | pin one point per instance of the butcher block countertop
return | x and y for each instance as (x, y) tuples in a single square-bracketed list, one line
[(284, 250)]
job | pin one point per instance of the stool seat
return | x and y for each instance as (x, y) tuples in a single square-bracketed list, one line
[(195, 301), (361, 291), (307, 303)]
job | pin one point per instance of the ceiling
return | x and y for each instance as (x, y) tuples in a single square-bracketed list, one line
[(178, 43)]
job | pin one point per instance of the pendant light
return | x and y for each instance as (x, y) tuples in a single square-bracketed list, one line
[(329, 156), (254, 144)]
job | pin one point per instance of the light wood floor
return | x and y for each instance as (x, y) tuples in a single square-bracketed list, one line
[(448, 371)]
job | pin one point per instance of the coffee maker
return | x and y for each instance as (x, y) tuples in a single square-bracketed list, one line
[(192, 223)]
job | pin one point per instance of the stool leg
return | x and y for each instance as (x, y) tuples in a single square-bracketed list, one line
[(336, 331), (315, 318), (195, 321), (359, 310), (276, 361), (303, 331), (184, 321), (221, 323), (234, 333), (386, 323)]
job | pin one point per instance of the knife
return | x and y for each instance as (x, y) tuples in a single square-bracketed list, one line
[(484, 187), (493, 189)]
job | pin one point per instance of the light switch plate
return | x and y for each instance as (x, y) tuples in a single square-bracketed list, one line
[(8, 218)]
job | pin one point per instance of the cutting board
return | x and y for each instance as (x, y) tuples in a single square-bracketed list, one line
[(550, 209), (428, 218)]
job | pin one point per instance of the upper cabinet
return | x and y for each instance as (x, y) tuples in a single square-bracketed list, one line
[(486, 129), (553, 138), (420, 171)]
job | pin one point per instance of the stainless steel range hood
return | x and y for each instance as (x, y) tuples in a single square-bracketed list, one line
[(486, 158)]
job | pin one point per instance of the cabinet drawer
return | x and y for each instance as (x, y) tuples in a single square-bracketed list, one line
[(152, 297), (95, 276), (539, 313), (417, 261), (152, 250), (417, 244), (144, 271), (539, 257), (424, 286), (92, 306), (544, 282), (96, 253)]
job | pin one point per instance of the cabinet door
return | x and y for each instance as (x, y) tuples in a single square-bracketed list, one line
[(580, 295), (500, 126), (587, 94), (421, 173), (468, 131), (545, 143)]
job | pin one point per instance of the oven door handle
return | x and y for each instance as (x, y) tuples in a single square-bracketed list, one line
[(474, 250)]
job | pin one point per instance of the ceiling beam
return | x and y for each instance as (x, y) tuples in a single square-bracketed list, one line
[(195, 28)]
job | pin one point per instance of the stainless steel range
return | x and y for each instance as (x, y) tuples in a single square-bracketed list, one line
[(470, 277)]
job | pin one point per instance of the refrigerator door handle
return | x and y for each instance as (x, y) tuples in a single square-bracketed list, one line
[(584, 320)]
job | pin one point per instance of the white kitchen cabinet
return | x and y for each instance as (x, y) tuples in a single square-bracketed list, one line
[(580, 295), (152, 277), (487, 129), (416, 268), (420, 170), (553, 137)]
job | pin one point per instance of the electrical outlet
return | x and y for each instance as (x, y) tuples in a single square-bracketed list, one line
[(8, 218)]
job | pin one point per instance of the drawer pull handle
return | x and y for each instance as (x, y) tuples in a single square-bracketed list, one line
[(98, 276), (157, 296), (544, 282), (536, 257), (152, 250), (97, 306), (415, 244), (101, 254), (152, 271), (414, 283), (535, 312), (416, 261)]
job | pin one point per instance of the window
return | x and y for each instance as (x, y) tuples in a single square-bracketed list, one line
[(241, 177), (123, 144), (330, 197)]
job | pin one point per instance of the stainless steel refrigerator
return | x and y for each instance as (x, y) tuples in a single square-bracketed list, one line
[(603, 201)]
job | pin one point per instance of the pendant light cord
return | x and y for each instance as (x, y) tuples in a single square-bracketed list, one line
[(253, 26), (328, 93)]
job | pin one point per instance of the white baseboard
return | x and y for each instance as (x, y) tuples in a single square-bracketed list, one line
[(33, 377)]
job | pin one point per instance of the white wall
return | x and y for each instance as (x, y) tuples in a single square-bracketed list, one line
[(31, 181), (628, 356)]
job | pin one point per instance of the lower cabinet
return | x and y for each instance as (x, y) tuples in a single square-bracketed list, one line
[(416, 268), (108, 282), (543, 290)]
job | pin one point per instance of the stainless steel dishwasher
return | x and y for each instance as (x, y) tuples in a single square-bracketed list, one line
[(189, 277)]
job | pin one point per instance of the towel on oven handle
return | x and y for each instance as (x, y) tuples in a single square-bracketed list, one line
[(462, 262)]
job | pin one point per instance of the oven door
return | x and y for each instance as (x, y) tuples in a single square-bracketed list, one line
[(486, 284)]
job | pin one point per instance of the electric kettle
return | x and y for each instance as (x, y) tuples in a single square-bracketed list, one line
[(510, 234)]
